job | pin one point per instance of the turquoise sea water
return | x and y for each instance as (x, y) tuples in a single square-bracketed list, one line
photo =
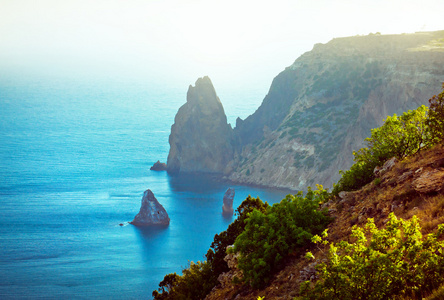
[(74, 163)]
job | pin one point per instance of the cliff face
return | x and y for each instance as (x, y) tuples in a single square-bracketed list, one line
[(201, 139), (323, 106), (317, 112)]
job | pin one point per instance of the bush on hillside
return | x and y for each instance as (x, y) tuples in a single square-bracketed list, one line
[(380, 264), (435, 120), (272, 235), (398, 137), (204, 274)]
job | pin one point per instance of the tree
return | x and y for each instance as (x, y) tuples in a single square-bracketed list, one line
[(435, 120), (270, 236), (199, 278)]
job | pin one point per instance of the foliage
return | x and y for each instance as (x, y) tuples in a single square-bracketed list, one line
[(398, 137), (435, 120), (270, 236), (191, 285), (217, 252), (165, 286), (199, 278), (381, 264)]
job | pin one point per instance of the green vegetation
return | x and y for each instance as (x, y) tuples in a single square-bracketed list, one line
[(398, 137), (199, 278), (387, 263), (284, 228), (435, 121)]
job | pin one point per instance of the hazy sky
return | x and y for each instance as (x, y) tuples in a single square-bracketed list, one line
[(233, 41)]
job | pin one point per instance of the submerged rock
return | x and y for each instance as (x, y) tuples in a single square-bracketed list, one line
[(227, 208), (158, 166), (151, 212)]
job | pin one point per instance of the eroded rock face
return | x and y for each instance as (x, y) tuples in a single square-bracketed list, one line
[(151, 212), (430, 181), (226, 279), (227, 208), (200, 139)]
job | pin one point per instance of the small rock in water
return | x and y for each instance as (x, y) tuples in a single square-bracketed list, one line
[(227, 208), (158, 166), (151, 212)]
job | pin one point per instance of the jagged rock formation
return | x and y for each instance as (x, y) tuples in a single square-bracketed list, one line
[(316, 113), (200, 139), (227, 207), (151, 212), (322, 107), (158, 166)]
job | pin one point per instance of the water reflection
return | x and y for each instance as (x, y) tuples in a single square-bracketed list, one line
[(195, 183), (148, 233)]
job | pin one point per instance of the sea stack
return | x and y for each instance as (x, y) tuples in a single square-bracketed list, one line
[(227, 208), (201, 140), (151, 212)]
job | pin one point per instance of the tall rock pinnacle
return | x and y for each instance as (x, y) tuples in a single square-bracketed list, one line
[(200, 139), (151, 212)]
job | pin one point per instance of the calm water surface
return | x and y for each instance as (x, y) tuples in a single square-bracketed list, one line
[(74, 162)]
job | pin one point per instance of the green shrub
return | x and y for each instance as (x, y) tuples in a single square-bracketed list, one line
[(272, 235), (193, 283), (435, 120), (199, 278), (398, 137), (380, 264)]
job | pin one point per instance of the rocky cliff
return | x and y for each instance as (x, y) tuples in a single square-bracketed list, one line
[(201, 140), (323, 106), (317, 111)]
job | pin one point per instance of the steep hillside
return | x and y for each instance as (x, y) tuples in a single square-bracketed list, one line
[(414, 186), (322, 107)]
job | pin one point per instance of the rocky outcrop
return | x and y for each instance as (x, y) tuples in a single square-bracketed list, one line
[(388, 165), (227, 207), (430, 181), (226, 279), (158, 166), (200, 139), (151, 212)]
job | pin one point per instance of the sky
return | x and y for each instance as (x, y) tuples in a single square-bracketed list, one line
[(238, 43)]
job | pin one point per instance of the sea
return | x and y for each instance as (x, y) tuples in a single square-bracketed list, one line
[(74, 163)]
